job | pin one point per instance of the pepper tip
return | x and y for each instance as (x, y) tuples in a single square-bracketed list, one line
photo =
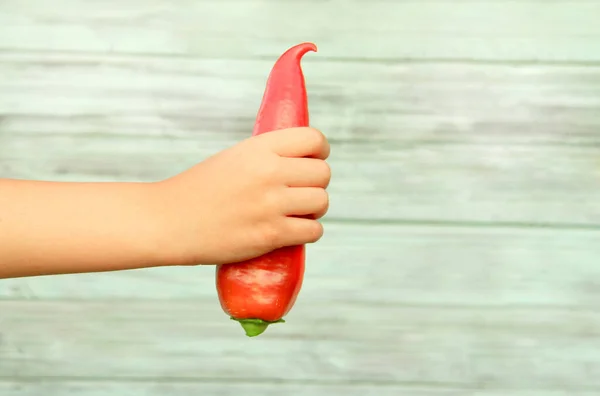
[(301, 49), (311, 46)]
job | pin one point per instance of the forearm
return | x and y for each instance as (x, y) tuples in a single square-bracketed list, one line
[(53, 227)]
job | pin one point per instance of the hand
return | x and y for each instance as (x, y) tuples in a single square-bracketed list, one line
[(247, 200)]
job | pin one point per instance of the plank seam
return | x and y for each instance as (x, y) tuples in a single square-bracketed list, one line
[(558, 226), (276, 381), (320, 59)]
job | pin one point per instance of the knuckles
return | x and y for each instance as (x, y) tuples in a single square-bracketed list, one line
[(271, 235), (269, 169), (272, 199), (325, 173), (316, 137), (315, 232), (318, 141), (322, 202)]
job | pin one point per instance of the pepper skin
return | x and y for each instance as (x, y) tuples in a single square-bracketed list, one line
[(261, 291)]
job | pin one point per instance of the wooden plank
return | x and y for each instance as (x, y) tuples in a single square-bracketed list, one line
[(418, 142), (465, 266), (386, 343), (562, 31), (151, 388)]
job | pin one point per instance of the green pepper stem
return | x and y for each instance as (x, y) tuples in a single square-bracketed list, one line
[(255, 327)]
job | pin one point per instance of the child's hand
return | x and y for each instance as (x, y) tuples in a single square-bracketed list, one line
[(235, 205), (240, 203)]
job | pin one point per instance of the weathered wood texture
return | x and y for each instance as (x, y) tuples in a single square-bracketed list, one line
[(466, 266), (462, 245), (538, 30), (510, 348), (174, 388), (410, 142)]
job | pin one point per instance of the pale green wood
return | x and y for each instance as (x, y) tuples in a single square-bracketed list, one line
[(482, 162), (148, 388), (173, 388), (541, 30), (475, 143), (506, 348), (359, 263)]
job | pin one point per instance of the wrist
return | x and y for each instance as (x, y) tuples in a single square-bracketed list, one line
[(169, 233), (156, 227), (139, 231)]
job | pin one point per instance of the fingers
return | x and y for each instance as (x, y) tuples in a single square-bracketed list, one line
[(305, 172), (301, 231), (298, 142), (306, 201)]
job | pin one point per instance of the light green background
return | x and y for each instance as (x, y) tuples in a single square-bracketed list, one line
[(462, 248)]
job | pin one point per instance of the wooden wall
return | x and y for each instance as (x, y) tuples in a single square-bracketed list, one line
[(462, 248)]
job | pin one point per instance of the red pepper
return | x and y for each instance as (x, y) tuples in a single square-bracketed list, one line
[(260, 291)]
